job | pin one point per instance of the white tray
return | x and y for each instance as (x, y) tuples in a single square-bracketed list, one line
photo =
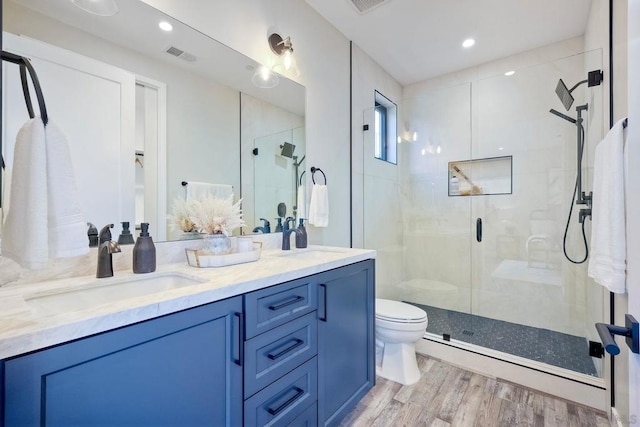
[(201, 259)]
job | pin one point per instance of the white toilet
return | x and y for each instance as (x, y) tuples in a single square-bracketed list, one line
[(398, 327)]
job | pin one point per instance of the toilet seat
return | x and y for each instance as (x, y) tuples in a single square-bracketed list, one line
[(399, 312)]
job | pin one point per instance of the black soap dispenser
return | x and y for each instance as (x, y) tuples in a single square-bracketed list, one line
[(301, 235), (125, 238), (92, 234), (144, 252)]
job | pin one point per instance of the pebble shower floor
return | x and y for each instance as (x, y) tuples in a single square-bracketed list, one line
[(542, 345)]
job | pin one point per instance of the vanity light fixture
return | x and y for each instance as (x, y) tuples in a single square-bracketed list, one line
[(97, 7), (264, 78), (286, 64), (468, 43), (165, 26)]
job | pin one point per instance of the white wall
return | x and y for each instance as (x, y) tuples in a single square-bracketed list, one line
[(633, 213), (323, 58)]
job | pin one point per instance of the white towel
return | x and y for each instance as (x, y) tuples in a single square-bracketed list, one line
[(197, 190), (301, 202), (607, 262), (44, 219), (6, 195), (319, 206)]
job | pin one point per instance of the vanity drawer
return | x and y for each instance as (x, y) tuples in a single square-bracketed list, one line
[(286, 399), (309, 418), (278, 351), (267, 308)]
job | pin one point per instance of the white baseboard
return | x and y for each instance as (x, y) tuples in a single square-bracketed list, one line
[(616, 419), (580, 388)]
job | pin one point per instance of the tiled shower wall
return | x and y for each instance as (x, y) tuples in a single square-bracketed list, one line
[(480, 113)]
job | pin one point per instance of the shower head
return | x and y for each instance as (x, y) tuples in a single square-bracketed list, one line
[(564, 94), (563, 116), (287, 150)]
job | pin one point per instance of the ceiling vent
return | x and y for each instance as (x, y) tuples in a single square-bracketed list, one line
[(364, 6), (172, 50)]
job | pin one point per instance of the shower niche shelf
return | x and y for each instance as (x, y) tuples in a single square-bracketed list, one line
[(481, 177)]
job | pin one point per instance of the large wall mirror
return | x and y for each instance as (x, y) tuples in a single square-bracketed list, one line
[(147, 110)]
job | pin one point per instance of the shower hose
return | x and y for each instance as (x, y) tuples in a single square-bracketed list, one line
[(573, 198)]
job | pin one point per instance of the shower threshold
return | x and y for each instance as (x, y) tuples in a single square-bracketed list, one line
[(539, 345)]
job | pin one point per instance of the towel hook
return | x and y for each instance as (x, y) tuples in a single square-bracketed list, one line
[(313, 172)]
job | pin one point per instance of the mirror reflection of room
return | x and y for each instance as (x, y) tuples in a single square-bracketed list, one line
[(150, 109)]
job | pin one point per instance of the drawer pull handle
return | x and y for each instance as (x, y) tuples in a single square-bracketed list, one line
[(323, 308), (240, 360), (296, 343), (276, 411), (286, 303)]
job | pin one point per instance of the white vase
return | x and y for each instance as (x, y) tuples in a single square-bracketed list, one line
[(190, 235), (217, 244)]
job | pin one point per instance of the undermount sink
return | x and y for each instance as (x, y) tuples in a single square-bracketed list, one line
[(104, 291)]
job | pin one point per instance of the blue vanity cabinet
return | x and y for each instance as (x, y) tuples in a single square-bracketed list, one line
[(181, 369), (281, 369), (346, 341)]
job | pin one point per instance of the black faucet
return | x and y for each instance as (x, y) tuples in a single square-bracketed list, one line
[(286, 223), (266, 227), (286, 241), (286, 232), (105, 249)]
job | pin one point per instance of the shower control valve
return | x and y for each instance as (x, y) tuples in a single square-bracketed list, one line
[(583, 214), (585, 199)]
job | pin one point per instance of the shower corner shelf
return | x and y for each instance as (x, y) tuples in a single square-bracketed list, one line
[(481, 177)]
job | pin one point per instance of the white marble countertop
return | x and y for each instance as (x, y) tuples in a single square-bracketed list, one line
[(25, 326)]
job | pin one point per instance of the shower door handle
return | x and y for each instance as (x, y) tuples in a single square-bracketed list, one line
[(479, 229)]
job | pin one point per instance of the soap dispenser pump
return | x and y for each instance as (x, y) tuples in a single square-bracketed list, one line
[(125, 238), (144, 252), (301, 235)]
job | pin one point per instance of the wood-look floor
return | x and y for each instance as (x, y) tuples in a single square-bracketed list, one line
[(450, 396)]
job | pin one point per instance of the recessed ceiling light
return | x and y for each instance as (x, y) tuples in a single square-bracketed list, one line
[(97, 7), (165, 26), (509, 73), (468, 43)]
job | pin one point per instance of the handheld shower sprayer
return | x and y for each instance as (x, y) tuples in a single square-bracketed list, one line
[(578, 197)]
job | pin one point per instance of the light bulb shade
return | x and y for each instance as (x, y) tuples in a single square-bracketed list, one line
[(283, 48), (287, 65), (97, 7), (264, 78)]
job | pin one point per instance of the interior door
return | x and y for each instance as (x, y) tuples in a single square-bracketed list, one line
[(100, 134)]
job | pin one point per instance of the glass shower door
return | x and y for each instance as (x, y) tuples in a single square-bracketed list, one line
[(422, 234), (540, 305)]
